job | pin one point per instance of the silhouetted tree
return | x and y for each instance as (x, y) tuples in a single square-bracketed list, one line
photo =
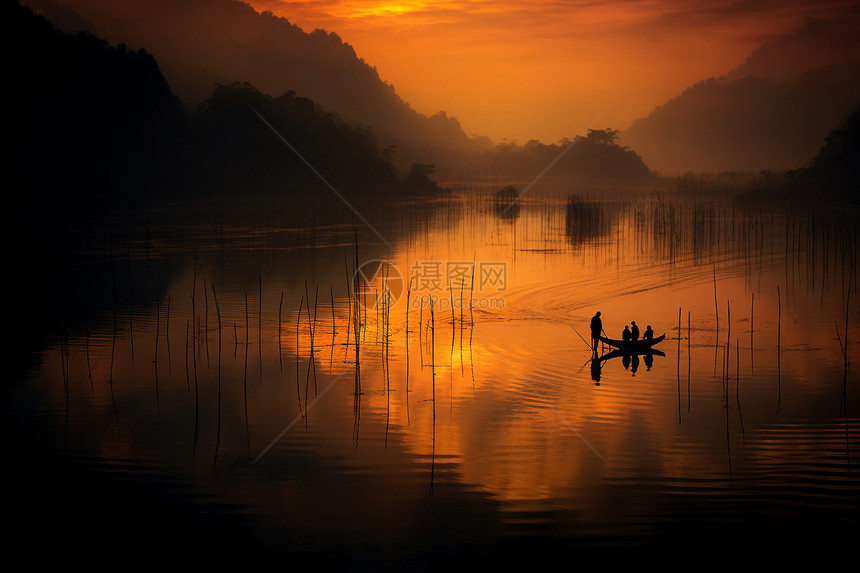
[(419, 179), (602, 136), (595, 155)]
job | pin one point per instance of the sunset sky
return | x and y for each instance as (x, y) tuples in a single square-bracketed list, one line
[(545, 69)]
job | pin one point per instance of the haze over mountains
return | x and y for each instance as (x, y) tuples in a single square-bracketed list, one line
[(97, 127), (199, 43), (773, 112)]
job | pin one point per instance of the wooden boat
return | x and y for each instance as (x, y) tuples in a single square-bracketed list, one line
[(631, 345)]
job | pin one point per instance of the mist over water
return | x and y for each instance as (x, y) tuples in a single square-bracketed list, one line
[(231, 376)]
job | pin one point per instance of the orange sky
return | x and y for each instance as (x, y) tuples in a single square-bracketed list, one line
[(546, 69)]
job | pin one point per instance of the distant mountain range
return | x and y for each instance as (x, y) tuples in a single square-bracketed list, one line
[(199, 43), (773, 112), (96, 127), (202, 44)]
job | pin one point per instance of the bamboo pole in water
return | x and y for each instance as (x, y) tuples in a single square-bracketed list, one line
[(729, 321), (678, 367), (349, 310), (280, 308), (387, 335), (187, 378), (689, 356), (298, 347), (453, 321), (218, 311), (779, 318), (247, 332), (433, 348), (847, 304), (778, 341), (716, 309), (461, 311), (752, 318), (472, 292), (313, 333), (408, 295)]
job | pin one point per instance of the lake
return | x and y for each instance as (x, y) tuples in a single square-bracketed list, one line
[(382, 386)]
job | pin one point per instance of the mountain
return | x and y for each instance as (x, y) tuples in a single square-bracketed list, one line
[(834, 171), (90, 122), (235, 152), (817, 43), (97, 126), (771, 113), (201, 43)]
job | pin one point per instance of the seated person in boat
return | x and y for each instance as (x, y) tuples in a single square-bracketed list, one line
[(625, 336), (649, 334)]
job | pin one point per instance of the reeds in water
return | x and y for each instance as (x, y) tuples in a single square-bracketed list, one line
[(584, 219)]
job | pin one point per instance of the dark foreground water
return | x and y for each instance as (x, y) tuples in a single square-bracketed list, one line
[(186, 405)]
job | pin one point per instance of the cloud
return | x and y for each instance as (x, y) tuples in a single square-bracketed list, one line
[(589, 16)]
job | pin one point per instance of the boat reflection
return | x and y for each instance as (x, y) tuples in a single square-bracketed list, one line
[(630, 358)]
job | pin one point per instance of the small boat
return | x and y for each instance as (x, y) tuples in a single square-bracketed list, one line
[(632, 345)]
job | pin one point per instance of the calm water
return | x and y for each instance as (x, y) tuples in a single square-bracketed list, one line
[(188, 398)]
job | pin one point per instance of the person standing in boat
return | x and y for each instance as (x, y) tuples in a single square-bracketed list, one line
[(596, 329), (634, 331), (625, 336), (648, 334)]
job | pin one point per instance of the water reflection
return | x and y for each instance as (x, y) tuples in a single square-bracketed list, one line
[(630, 359), (508, 202), (236, 361)]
